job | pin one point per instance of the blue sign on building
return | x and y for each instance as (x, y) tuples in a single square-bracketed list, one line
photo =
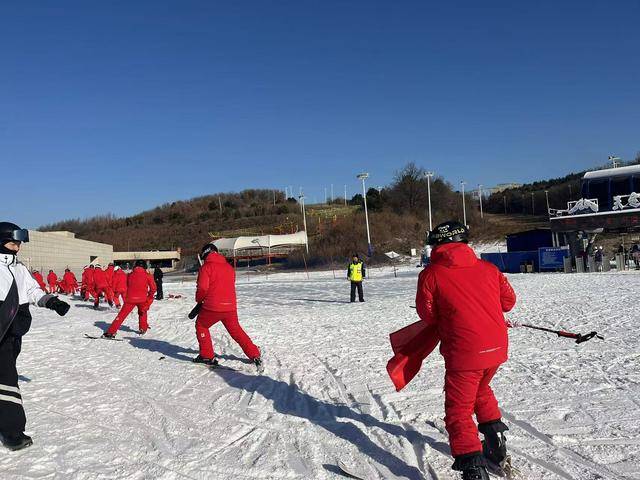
[(552, 258)]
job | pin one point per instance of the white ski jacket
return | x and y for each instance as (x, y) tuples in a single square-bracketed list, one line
[(28, 289)]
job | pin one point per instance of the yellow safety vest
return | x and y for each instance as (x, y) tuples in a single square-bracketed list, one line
[(355, 272)]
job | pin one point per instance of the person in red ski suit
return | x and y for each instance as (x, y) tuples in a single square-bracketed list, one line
[(464, 298), (52, 280), (109, 274), (119, 285), (87, 282), (69, 282), (140, 291), (101, 287), (216, 299), (38, 276)]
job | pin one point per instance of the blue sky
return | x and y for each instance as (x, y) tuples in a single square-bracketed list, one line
[(120, 106)]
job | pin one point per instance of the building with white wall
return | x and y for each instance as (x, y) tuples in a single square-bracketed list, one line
[(59, 250)]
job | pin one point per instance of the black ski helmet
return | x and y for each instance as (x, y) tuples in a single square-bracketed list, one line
[(448, 232), (10, 232), (140, 263), (207, 249)]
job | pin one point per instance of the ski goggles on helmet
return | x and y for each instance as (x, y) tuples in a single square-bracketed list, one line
[(21, 235)]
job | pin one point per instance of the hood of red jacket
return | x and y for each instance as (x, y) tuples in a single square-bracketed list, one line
[(454, 255), (214, 257)]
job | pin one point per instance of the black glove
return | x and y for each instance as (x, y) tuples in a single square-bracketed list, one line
[(61, 308), (194, 312)]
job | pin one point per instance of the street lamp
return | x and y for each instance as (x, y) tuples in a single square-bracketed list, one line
[(429, 175), (480, 197), (546, 194), (533, 205), (464, 207), (363, 176), (304, 220)]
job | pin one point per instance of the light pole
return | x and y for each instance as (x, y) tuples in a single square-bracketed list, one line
[(429, 175), (345, 195), (546, 194), (304, 220), (533, 205), (331, 198), (464, 207), (363, 176), (480, 198)]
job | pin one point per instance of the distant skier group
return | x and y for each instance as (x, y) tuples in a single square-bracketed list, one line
[(460, 301)]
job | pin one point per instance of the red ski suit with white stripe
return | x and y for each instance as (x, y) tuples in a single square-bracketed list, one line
[(464, 298), (140, 291), (216, 292)]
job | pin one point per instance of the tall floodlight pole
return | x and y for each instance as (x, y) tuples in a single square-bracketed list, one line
[(325, 194), (345, 195), (304, 221), (331, 198), (464, 206), (363, 176), (480, 198), (429, 175), (546, 194), (533, 205)]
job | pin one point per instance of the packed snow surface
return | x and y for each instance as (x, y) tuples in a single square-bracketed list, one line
[(139, 409)]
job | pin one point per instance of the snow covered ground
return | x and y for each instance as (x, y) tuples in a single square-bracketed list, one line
[(139, 409)]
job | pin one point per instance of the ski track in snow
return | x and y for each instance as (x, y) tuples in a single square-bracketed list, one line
[(106, 410)]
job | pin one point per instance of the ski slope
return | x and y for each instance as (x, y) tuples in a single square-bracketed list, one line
[(139, 409)]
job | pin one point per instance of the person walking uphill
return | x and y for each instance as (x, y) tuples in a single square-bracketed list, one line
[(356, 272), (17, 290), (465, 298), (216, 302), (157, 277), (140, 291)]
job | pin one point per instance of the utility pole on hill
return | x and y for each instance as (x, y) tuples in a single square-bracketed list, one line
[(464, 207), (363, 176), (429, 175)]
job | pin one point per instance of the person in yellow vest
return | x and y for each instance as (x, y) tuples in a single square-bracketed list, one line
[(356, 272)]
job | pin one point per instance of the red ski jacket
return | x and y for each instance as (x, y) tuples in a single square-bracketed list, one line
[(87, 278), (140, 286), (108, 273), (465, 298), (39, 279), (69, 279), (119, 281), (52, 278), (99, 279), (216, 284)]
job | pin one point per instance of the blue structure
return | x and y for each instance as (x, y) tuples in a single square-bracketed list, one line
[(511, 262), (529, 240)]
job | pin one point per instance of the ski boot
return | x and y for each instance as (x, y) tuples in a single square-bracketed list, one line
[(258, 363), (108, 336), (472, 466), (206, 361), (141, 332), (16, 441), (494, 446)]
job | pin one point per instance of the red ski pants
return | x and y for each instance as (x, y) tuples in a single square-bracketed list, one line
[(117, 296), (143, 308), (468, 392), (108, 294), (206, 318)]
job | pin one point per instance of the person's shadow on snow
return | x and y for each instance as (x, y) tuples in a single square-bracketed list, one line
[(104, 326), (165, 348), (289, 400)]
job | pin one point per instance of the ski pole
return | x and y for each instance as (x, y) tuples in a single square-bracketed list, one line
[(579, 338)]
